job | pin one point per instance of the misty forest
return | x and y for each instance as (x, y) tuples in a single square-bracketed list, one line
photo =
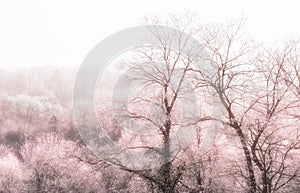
[(251, 143)]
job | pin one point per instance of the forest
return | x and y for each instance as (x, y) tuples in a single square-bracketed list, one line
[(215, 117)]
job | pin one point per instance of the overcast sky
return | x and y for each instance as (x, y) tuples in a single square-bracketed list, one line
[(58, 32)]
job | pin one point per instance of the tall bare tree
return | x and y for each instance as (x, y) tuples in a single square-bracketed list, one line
[(162, 101), (253, 93)]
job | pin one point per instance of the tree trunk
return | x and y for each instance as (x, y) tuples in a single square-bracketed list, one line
[(251, 177), (266, 182), (167, 186)]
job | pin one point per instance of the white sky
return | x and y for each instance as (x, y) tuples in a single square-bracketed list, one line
[(58, 32)]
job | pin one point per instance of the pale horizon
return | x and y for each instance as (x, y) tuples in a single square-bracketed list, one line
[(61, 33)]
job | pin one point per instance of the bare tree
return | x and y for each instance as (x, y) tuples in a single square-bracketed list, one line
[(253, 93), (228, 49), (272, 145), (161, 78)]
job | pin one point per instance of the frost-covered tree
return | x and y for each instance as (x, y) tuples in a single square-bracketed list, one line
[(53, 167), (14, 175)]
